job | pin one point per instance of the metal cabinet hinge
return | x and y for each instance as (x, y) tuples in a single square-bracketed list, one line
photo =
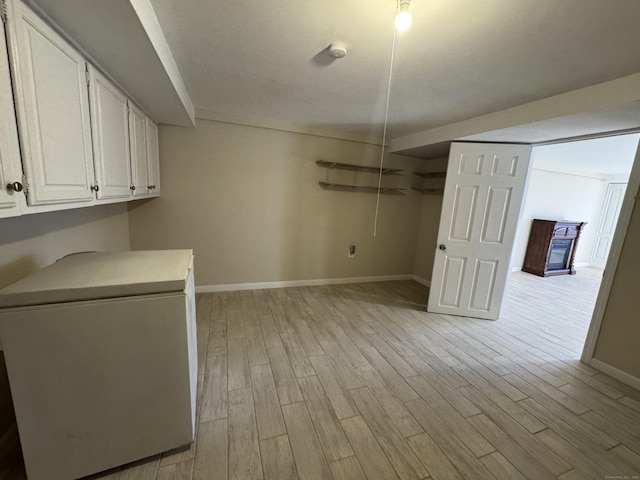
[(86, 75)]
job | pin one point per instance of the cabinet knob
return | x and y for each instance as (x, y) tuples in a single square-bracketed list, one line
[(132, 188), (15, 186), (151, 187), (442, 247), (95, 188)]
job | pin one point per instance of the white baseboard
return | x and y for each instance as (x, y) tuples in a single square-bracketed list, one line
[(516, 269), (422, 281), (616, 373), (232, 287)]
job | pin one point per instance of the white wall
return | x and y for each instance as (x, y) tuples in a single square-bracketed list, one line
[(247, 200), (561, 196)]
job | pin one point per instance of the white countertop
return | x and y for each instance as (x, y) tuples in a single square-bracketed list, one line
[(97, 275)]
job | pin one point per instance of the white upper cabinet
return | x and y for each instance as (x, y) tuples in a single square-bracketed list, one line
[(10, 170), (138, 142), (52, 104), (110, 129), (153, 157)]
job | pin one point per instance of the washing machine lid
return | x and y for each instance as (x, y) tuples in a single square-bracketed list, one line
[(100, 275)]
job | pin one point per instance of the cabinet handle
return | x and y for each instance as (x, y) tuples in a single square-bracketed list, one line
[(15, 186), (132, 188), (95, 188)]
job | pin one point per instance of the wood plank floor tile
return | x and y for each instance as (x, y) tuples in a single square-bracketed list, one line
[(467, 433), (277, 459), (213, 403), (579, 432), (244, 451), (373, 461), (393, 379), (337, 394), (584, 462), (176, 471), (515, 430), (398, 413), (434, 459), (500, 467), (455, 398), (266, 403), (448, 441), (285, 379), (297, 356), (347, 469), (332, 439), (516, 454), (528, 421), (404, 461), (342, 366), (307, 452), (238, 374), (211, 458)]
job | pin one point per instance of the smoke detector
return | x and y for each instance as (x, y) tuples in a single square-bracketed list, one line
[(337, 50)]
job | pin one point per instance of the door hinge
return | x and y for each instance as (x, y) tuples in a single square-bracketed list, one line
[(86, 74)]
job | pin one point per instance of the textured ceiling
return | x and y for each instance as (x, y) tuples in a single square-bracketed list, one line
[(460, 59)]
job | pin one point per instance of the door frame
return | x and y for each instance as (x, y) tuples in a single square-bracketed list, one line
[(611, 265)]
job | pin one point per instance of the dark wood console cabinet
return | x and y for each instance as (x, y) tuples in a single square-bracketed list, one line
[(552, 247)]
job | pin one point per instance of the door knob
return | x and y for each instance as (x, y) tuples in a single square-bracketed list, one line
[(442, 247), (15, 186)]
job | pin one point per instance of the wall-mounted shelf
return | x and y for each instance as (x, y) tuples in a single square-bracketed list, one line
[(359, 168), (360, 188), (431, 174), (429, 191)]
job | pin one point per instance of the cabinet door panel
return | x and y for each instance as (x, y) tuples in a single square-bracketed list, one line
[(10, 169), (153, 157), (110, 128), (138, 142), (53, 108)]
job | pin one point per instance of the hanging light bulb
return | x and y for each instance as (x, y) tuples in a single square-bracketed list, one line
[(403, 17)]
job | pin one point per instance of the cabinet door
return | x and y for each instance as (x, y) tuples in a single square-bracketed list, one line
[(153, 157), (110, 129), (53, 111), (10, 169), (138, 143)]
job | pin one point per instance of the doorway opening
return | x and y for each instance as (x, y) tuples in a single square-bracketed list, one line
[(580, 181)]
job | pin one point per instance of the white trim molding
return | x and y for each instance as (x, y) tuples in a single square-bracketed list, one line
[(421, 281), (624, 218), (232, 287), (616, 373)]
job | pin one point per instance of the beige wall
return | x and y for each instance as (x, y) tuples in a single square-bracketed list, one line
[(33, 241), (620, 331), (247, 200)]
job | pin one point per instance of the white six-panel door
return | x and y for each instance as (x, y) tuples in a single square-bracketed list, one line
[(481, 206), (608, 220)]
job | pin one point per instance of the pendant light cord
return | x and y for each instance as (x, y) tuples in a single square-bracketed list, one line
[(384, 134)]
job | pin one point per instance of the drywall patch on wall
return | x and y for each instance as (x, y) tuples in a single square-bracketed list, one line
[(247, 200)]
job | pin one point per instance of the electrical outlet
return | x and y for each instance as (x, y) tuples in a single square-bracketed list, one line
[(351, 252)]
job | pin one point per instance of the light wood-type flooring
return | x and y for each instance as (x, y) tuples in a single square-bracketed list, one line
[(358, 381)]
